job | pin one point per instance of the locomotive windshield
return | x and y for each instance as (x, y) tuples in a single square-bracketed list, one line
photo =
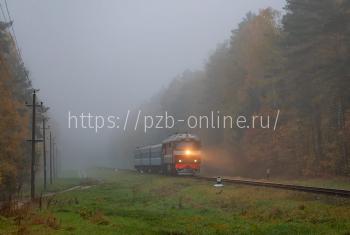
[(187, 145)]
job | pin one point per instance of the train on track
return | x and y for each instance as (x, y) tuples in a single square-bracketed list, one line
[(177, 154)]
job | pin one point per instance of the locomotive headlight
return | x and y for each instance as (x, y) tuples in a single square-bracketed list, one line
[(195, 160), (180, 160), (188, 152)]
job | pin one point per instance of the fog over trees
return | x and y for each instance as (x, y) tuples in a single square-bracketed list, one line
[(297, 63)]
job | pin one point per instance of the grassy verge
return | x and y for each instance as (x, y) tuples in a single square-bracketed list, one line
[(131, 203)]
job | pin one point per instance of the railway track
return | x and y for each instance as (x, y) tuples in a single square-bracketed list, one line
[(292, 187), (300, 188)]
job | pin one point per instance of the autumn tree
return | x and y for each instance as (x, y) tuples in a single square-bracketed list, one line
[(14, 120)]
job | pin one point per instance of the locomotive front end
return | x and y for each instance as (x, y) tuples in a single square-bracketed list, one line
[(187, 156)]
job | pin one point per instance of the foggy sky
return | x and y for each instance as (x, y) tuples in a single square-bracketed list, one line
[(107, 56)]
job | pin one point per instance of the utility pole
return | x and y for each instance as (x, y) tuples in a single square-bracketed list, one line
[(33, 140), (44, 154), (53, 159), (56, 162), (50, 157)]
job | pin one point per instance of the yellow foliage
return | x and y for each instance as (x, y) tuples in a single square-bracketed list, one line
[(13, 130)]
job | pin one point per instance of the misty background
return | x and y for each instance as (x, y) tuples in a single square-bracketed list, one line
[(105, 57)]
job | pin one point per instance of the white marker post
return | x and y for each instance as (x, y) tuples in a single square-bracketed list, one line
[(219, 182)]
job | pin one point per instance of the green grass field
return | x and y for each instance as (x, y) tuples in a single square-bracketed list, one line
[(130, 203)]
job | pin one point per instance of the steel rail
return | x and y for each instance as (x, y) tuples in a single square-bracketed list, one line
[(309, 189)]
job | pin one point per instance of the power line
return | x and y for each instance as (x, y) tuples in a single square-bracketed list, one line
[(14, 38), (13, 31), (2, 12)]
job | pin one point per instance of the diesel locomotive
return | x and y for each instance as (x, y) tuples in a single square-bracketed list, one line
[(178, 154)]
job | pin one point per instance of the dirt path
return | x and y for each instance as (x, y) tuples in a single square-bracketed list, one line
[(66, 190), (19, 203)]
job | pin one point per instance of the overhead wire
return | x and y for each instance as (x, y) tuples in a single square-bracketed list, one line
[(13, 31), (2, 12), (13, 35)]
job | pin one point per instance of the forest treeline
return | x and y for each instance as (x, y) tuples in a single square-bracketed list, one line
[(298, 63), (15, 90)]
